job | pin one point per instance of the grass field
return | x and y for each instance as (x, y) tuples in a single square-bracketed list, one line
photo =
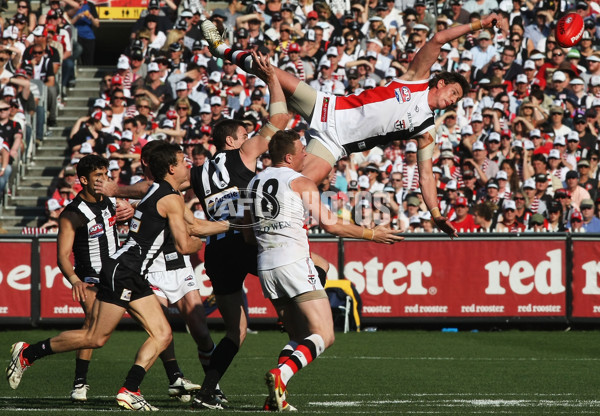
[(393, 372)]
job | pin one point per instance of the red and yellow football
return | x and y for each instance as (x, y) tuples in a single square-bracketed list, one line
[(569, 30)]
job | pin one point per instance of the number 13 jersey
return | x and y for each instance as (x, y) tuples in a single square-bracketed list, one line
[(219, 184)]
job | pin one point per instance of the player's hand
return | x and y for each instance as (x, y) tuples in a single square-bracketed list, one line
[(79, 291), (444, 225), (264, 70), (488, 21), (124, 211), (106, 188), (386, 235)]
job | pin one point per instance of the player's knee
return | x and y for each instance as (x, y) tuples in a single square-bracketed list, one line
[(95, 341), (164, 338)]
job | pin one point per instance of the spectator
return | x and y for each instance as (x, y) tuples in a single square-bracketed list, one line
[(85, 18), (509, 223), (591, 223), (577, 193), (463, 221)]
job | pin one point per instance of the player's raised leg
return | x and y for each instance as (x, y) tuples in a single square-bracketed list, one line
[(106, 317)]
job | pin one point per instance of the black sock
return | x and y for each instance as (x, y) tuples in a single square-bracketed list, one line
[(36, 351), (81, 370), (322, 275), (134, 378), (173, 370), (219, 362)]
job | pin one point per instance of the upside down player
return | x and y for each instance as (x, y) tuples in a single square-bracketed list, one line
[(402, 109), (287, 273)]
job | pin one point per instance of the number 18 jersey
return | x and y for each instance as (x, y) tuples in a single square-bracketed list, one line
[(278, 218)]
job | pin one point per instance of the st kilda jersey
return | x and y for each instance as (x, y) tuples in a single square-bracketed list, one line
[(96, 235), (219, 184), (396, 111), (148, 231)]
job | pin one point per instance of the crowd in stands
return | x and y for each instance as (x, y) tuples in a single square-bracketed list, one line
[(518, 153)]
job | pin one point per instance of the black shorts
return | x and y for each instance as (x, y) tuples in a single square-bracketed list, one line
[(228, 261), (128, 285)]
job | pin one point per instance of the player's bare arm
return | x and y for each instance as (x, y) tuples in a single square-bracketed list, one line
[(332, 224), (203, 228), (112, 189), (278, 113), (428, 54), (173, 208), (428, 185), (65, 239)]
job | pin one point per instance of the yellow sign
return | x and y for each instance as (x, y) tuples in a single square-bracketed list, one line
[(120, 13)]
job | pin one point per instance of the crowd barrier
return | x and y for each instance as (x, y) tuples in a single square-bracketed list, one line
[(506, 278)]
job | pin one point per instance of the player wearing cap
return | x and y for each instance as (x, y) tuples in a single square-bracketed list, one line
[(401, 110)]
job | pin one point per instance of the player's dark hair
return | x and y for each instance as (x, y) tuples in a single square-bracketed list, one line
[(282, 144), (149, 148), (90, 163), (451, 78), (223, 129), (162, 158)]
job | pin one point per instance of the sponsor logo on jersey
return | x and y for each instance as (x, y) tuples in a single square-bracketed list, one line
[(189, 278), (126, 295), (112, 221), (399, 125), (213, 202), (324, 109), (134, 225), (96, 230), (170, 256)]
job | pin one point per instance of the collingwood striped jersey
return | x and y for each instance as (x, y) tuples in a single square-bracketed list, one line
[(219, 184), (148, 231), (96, 235), (397, 111)]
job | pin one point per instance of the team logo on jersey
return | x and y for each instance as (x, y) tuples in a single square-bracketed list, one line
[(403, 94), (189, 278), (126, 295), (96, 231), (112, 221), (399, 125)]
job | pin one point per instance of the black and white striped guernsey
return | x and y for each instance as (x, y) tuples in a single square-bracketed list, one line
[(96, 235), (219, 184), (148, 231)]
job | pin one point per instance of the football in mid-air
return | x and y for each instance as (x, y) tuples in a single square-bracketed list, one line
[(569, 30)]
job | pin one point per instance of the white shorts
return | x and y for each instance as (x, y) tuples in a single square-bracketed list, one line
[(173, 284), (322, 125), (290, 280)]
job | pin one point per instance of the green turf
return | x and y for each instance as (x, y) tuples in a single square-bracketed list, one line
[(394, 372)]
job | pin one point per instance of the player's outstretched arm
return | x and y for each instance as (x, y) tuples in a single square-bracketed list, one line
[(173, 208), (203, 228), (332, 224), (111, 188), (428, 54), (428, 184), (278, 112)]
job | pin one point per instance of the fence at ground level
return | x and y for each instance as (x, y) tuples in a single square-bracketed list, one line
[(504, 277)]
